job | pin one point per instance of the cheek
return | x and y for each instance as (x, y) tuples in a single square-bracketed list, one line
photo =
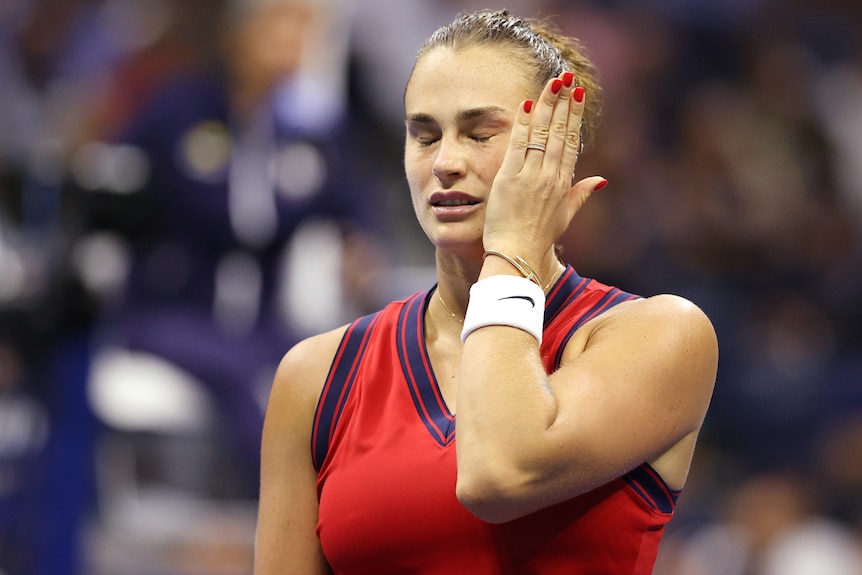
[(491, 163), (417, 178), (417, 169)]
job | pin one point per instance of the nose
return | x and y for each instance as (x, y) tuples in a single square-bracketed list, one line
[(449, 162)]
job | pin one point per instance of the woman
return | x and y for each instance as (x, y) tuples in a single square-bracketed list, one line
[(578, 405)]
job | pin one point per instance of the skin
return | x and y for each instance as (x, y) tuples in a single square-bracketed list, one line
[(526, 440)]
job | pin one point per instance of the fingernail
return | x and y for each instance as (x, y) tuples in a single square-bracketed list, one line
[(556, 85), (578, 94), (528, 105), (568, 78), (600, 185)]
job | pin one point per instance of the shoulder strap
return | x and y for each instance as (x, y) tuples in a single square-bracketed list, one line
[(339, 382), (610, 298), (648, 484)]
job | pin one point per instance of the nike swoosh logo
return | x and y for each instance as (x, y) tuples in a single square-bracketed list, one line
[(523, 297)]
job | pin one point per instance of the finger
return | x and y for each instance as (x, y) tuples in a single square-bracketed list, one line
[(529, 137), (513, 161), (530, 134), (542, 117), (561, 122), (571, 141)]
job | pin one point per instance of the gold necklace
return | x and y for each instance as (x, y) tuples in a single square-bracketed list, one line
[(440, 297), (552, 280)]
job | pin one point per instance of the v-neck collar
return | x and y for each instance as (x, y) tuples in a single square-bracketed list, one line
[(416, 363), (418, 373)]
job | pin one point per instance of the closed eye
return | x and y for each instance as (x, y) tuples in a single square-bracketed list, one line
[(477, 124), (422, 132)]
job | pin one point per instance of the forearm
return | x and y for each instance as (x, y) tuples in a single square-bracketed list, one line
[(505, 403), (506, 415)]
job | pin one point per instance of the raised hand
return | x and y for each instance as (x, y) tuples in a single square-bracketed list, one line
[(533, 198)]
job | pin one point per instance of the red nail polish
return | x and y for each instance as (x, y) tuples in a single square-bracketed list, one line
[(578, 94), (568, 78), (600, 185), (528, 105), (556, 85)]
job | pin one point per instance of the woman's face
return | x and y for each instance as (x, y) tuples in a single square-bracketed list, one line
[(460, 107)]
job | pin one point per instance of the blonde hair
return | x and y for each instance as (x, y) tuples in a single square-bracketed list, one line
[(542, 46)]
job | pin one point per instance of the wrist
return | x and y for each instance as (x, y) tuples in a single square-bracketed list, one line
[(518, 263), (505, 300)]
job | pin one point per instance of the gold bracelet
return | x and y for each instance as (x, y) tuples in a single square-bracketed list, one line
[(518, 262)]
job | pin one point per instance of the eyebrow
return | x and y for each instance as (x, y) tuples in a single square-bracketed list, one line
[(469, 114)]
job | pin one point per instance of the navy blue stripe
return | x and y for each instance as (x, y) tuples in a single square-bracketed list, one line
[(613, 297), (652, 489), (416, 366), (569, 290), (342, 375)]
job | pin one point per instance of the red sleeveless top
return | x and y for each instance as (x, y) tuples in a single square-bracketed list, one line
[(384, 445)]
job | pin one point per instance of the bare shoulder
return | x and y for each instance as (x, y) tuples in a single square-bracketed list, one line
[(287, 511), (667, 326), (665, 335), (303, 369), (663, 314), (672, 306)]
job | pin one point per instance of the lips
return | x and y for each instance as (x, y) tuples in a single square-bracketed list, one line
[(453, 206), (452, 200)]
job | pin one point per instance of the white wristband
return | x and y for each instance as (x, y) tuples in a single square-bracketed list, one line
[(505, 300)]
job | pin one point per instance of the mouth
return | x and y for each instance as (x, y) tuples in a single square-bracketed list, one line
[(454, 203), (452, 200), (453, 206)]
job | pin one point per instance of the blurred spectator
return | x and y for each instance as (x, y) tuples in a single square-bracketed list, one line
[(52, 56), (169, 169), (770, 525), (205, 188)]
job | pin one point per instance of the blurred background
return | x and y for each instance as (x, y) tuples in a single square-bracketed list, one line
[(144, 303)]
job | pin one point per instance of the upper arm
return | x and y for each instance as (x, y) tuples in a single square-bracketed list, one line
[(288, 509), (636, 389), (633, 387)]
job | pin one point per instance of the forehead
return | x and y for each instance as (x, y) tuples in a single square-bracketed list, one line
[(467, 78)]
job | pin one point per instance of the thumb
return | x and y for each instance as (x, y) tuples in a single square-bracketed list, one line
[(583, 189)]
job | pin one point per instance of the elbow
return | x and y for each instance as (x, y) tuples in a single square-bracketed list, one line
[(489, 498), (484, 503)]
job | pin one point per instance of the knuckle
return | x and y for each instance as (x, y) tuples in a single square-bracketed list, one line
[(540, 131), (573, 139), (560, 129)]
